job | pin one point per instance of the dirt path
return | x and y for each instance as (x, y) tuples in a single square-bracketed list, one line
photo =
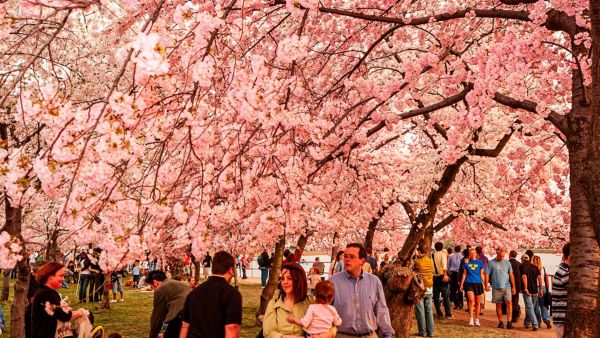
[(489, 321)]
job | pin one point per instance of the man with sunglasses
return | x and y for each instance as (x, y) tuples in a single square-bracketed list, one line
[(359, 298)]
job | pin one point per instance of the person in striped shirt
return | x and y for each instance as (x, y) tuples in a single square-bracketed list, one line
[(560, 285)]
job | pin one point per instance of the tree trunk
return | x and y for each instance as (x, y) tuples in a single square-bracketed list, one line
[(52, 251), (334, 249), (5, 285), (302, 240), (106, 291), (428, 237), (590, 179), (585, 268), (585, 252), (269, 290), (371, 233), (13, 228), (397, 278)]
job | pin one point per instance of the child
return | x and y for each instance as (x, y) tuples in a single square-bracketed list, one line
[(315, 278), (320, 315)]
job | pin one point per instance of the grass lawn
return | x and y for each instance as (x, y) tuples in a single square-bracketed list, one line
[(131, 318)]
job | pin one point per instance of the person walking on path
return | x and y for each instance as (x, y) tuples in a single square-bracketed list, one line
[(423, 265), (453, 269), (499, 274), (472, 282), (516, 267), (263, 266), (441, 281), (530, 275), (169, 297), (560, 285), (544, 300), (359, 298), (214, 308), (206, 262)]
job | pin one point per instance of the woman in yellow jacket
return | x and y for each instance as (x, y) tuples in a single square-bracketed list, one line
[(291, 301)]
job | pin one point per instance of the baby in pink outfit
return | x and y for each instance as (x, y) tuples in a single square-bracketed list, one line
[(320, 315)]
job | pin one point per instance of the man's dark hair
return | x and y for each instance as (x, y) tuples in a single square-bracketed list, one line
[(286, 253), (222, 261), (158, 275), (529, 253), (479, 250), (439, 246), (457, 248), (566, 250), (362, 252), (512, 254)]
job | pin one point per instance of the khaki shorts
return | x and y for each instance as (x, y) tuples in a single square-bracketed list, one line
[(500, 296)]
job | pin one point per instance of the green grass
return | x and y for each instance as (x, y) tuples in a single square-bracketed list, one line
[(131, 318)]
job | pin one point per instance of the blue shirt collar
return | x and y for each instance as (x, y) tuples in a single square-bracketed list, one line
[(349, 276)]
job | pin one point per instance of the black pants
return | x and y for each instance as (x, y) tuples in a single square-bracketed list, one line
[(516, 308), (441, 289), (455, 294), (173, 328)]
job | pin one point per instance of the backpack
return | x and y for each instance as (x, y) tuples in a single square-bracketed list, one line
[(261, 261)]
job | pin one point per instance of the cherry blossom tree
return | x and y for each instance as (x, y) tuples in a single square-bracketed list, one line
[(243, 125)]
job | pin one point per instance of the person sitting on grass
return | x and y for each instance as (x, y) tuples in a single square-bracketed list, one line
[(321, 316)]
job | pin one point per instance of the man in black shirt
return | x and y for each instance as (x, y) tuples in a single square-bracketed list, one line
[(516, 266), (531, 278), (214, 308)]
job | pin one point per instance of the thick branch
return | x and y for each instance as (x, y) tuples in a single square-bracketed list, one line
[(556, 119)]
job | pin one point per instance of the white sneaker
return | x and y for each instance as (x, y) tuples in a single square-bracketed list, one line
[(471, 321), (477, 322), (121, 300), (113, 300)]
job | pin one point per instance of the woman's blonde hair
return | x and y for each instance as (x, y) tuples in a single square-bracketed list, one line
[(537, 261)]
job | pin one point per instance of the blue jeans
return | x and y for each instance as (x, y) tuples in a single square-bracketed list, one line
[(544, 308), (424, 314), (532, 309), (264, 275), (84, 281)]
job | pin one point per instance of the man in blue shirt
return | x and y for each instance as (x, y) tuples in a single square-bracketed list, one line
[(359, 298), (499, 273)]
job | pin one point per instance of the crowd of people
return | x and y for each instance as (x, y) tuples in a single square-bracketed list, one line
[(350, 303), (449, 278)]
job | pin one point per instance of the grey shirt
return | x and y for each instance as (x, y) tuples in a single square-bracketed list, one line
[(361, 304), (169, 298)]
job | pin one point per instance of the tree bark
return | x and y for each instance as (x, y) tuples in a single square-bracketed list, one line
[(13, 227), (52, 251), (269, 290), (334, 249), (5, 285), (591, 182), (585, 251), (106, 291)]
